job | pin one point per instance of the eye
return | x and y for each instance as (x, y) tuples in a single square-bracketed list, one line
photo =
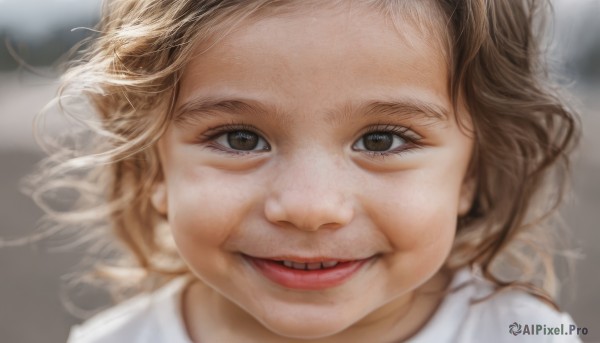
[(242, 140), (379, 141)]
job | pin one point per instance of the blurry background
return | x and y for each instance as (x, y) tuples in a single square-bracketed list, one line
[(40, 32)]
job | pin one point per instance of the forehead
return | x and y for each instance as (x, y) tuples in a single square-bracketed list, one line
[(321, 55)]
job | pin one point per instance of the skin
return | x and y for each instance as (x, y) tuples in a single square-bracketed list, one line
[(314, 190)]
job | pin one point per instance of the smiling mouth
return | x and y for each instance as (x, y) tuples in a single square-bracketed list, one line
[(308, 275), (310, 265)]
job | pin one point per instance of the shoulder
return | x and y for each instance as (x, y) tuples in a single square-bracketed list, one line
[(473, 312), (147, 317), (519, 316)]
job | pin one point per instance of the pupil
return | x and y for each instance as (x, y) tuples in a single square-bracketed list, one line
[(378, 141), (242, 140)]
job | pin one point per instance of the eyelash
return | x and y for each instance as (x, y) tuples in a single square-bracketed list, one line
[(401, 131), (215, 132)]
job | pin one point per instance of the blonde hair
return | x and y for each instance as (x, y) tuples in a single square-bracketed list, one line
[(129, 76)]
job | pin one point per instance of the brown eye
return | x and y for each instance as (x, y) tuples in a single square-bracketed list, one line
[(242, 140), (379, 141)]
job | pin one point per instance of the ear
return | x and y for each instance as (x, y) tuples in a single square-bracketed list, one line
[(159, 198), (467, 195)]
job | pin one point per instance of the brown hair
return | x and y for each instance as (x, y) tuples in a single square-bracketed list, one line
[(129, 74)]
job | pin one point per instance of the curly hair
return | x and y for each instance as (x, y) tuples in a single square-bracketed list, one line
[(128, 76)]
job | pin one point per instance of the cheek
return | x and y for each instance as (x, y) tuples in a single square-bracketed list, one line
[(204, 211), (418, 219), (197, 208), (417, 213)]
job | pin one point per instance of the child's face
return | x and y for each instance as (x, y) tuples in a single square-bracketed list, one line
[(320, 137)]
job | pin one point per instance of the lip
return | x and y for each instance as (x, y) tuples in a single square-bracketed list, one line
[(307, 279)]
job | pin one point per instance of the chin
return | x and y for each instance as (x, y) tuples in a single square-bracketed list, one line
[(301, 325)]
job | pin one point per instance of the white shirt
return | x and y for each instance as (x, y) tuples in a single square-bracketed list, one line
[(148, 318), (157, 318)]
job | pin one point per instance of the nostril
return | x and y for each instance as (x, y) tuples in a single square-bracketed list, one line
[(331, 226)]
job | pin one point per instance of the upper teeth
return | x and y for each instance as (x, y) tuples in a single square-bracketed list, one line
[(309, 266)]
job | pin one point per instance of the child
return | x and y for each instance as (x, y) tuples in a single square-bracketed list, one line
[(323, 171)]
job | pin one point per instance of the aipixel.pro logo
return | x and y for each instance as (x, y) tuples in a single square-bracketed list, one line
[(516, 329)]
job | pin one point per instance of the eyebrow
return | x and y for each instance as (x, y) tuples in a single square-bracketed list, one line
[(405, 108), (210, 106)]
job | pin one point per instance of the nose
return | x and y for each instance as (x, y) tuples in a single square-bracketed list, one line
[(310, 194)]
